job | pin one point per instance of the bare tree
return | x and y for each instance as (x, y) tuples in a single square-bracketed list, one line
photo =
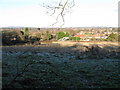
[(59, 10)]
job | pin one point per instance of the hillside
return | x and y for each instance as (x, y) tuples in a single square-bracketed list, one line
[(56, 66)]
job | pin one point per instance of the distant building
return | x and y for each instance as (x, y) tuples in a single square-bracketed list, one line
[(64, 38), (81, 36)]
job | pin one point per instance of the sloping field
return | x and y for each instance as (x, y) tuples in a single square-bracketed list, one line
[(57, 66), (71, 43)]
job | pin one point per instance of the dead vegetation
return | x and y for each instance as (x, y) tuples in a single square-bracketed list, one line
[(87, 43), (85, 49), (56, 66)]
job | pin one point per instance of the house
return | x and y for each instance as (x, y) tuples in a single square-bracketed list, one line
[(90, 37), (104, 37), (64, 38), (86, 40), (96, 36), (81, 36)]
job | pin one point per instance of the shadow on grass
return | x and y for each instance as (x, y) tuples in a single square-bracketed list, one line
[(48, 66)]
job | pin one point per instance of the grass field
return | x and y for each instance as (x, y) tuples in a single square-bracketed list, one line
[(71, 43), (56, 66)]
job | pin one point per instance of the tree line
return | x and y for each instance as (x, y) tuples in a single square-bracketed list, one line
[(22, 37)]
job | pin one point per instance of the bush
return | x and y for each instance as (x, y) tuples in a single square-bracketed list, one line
[(113, 37), (104, 39), (38, 34), (67, 34), (26, 31), (75, 38), (46, 36), (11, 38), (50, 36), (62, 34), (96, 52), (34, 39)]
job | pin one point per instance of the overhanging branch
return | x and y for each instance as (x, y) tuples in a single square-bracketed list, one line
[(62, 7)]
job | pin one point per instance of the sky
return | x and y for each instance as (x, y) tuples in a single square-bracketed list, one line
[(85, 13)]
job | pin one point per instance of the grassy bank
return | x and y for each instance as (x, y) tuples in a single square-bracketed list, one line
[(60, 67)]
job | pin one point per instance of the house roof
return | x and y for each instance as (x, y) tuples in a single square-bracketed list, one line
[(79, 36)]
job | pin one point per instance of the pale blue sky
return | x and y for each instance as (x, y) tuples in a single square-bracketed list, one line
[(85, 13), (20, 3)]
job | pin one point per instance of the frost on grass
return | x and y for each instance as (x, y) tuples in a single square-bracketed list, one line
[(50, 69)]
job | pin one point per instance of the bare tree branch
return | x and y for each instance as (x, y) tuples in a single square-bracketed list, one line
[(63, 7)]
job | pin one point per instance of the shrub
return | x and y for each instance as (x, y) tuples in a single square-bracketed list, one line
[(50, 36), (11, 38), (34, 39), (67, 34), (46, 36), (105, 39), (113, 37), (75, 38), (38, 34), (26, 31), (96, 52), (62, 34)]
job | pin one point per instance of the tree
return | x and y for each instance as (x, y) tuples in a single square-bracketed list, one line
[(113, 37), (60, 10), (38, 35), (46, 36), (67, 34), (26, 31), (60, 35), (50, 36), (11, 38), (118, 38), (75, 38)]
